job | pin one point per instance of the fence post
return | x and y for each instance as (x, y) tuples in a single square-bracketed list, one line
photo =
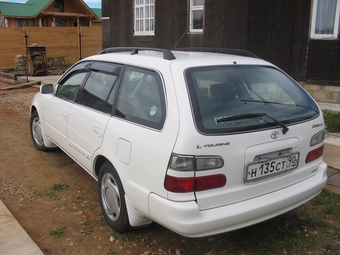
[(80, 43)]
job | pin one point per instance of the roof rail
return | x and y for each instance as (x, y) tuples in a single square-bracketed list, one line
[(239, 52), (167, 54)]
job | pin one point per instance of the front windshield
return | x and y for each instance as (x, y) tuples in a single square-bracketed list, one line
[(228, 99)]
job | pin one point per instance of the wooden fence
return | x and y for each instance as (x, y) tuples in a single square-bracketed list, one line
[(71, 43)]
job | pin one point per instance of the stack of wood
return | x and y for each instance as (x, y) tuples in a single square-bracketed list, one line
[(38, 63), (20, 63), (36, 60)]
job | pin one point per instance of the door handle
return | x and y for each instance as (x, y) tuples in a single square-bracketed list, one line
[(97, 131), (64, 114)]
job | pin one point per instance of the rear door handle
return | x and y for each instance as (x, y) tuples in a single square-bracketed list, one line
[(64, 114), (97, 131)]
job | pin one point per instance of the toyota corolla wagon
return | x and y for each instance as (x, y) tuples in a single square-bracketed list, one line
[(199, 142)]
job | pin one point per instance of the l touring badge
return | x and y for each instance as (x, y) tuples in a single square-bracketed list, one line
[(275, 135), (212, 145)]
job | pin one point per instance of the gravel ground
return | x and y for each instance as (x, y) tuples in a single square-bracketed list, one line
[(19, 101), (13, 187)]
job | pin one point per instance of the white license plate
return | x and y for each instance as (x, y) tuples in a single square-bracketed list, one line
[(264, 169)]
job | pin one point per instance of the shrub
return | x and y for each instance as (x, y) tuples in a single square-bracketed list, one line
[(332, 121)]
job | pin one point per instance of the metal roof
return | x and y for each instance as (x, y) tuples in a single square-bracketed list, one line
[(32, 8), (97, 12), (29, 9)]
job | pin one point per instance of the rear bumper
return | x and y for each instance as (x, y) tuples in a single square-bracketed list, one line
[(186, 219)]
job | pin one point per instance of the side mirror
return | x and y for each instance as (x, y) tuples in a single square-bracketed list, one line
[(46, 88)]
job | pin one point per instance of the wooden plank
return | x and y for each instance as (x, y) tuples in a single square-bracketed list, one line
[(91, 41), (11, 44), (22, 85)]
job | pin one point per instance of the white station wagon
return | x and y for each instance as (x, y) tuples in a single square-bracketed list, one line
[(199, 142)]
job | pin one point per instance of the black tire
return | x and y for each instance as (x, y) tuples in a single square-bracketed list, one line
[(36, 132), (112, 199)]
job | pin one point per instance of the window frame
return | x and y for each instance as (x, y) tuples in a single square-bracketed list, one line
[(94, 99), (192, 9), (141, 4), (78, 68), (335, 33), (105, 68)]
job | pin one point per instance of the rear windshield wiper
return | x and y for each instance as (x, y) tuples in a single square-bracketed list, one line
[(271, 102), (254, 115)]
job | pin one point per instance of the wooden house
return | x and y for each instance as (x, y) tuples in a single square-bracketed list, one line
[(49, 13), (301, 37)]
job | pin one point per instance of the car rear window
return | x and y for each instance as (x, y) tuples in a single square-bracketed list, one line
[(228, 99)]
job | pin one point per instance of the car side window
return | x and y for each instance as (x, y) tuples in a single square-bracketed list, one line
[(97, 89), (68, 88), (141, 98)]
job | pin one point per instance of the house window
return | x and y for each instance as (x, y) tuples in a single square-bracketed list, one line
[(61, 23), (325, 19), (21, 22), (196, 15), (144, 17), (59, 4)]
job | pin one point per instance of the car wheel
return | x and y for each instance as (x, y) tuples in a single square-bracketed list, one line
[(112, 200), (36, 132)]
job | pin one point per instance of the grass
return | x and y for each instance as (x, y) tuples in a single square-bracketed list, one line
[(332, 120), (330, 202), (52, 193), (121, 236), (308, 228), (100, 222), (57, 232), (59, 187), (313, 228), (81, 198), (8, 70)]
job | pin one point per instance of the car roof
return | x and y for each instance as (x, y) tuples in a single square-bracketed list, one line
[(156, 58)]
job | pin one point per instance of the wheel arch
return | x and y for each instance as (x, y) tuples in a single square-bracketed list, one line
[(100, 160), (48, 144), (33, 109), (136, 220)]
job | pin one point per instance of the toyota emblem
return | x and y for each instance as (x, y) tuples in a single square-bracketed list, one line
[(275, 135)]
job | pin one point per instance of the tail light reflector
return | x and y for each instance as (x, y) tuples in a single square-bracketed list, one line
[(179, 185), (314, 154), (192, 184), (210, 182)]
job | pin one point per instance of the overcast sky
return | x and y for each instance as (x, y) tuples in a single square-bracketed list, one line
[(90, 3)]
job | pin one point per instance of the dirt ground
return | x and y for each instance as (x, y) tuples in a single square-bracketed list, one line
[(26, 180)]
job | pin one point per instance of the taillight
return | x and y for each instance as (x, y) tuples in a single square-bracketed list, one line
[(190, 163), (314, 154), (210, 182), (179, 185), (184, 164), (317, 138), (192, 184)]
